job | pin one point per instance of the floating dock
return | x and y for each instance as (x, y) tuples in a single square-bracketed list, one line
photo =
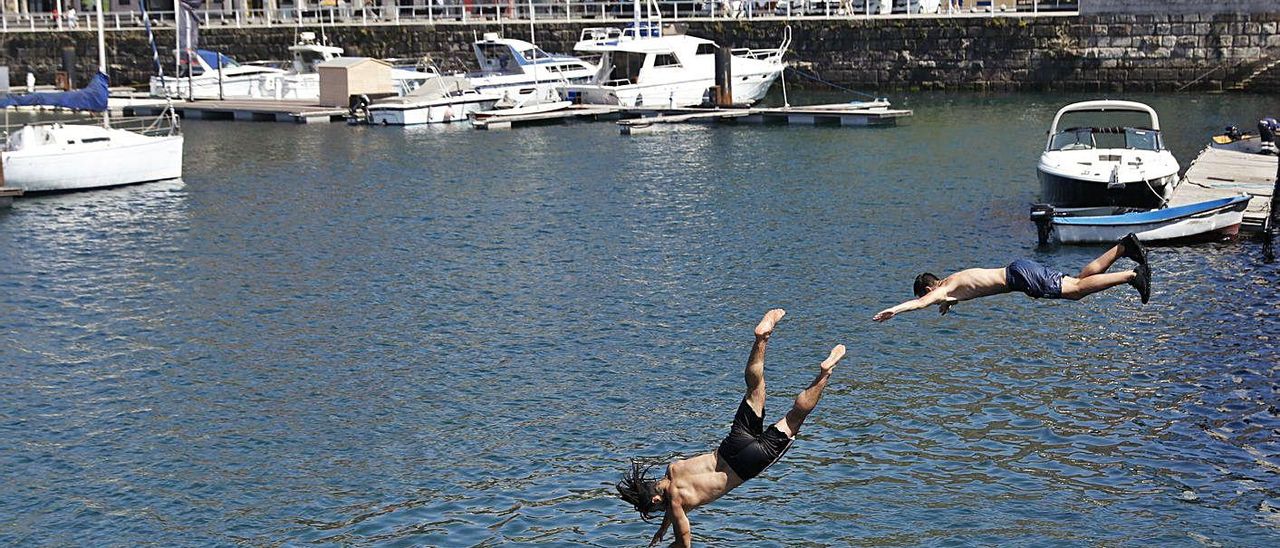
[(255, 110), (1219, 173), (7, 194), (640, 119), (837, 114)]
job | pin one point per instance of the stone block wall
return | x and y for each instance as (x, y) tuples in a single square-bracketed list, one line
[(1183, 7), (1114, 52)]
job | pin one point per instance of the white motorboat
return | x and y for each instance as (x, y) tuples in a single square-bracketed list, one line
[(1085, 166), (300, 82), (515, 67), (61, 156), (214, 75), (441, 100), (643, 65)]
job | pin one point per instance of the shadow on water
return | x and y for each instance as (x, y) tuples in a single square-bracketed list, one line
[(448, 337)]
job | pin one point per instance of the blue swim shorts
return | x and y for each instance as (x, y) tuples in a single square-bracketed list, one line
[(1033, 279)]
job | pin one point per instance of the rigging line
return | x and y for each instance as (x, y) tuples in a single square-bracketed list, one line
[(818, 79)]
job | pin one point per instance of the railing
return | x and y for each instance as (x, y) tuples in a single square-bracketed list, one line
[(465, 11)]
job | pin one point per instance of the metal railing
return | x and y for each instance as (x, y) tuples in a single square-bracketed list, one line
[(500, 11)]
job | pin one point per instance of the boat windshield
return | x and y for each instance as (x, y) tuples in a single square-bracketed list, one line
[(497, 58), (1141, 139), (1072, 139), (532, 54), (305, 61), (1081, 138)]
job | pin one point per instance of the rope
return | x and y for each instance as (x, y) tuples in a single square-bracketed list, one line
[(818, 79)]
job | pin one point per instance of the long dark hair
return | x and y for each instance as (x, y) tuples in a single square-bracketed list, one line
[(638, 489)]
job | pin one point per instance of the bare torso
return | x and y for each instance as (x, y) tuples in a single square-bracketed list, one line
[(975, 282), (702, 479)]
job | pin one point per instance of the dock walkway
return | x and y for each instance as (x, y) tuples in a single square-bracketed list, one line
[(257, 110), (1219, 173)]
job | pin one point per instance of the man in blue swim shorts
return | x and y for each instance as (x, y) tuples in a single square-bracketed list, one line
[(1031, 278), (746, 452)]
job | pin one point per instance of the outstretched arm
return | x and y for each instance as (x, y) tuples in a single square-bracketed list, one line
[(662, 531), (938, 295)]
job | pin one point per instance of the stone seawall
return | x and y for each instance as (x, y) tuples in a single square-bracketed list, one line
[(1113, 52)]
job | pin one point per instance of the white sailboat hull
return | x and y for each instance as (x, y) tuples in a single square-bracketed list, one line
[(126, 159)]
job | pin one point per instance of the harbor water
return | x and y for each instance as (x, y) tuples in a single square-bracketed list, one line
[(438, 336)]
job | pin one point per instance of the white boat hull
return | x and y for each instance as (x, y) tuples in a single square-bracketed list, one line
[(85, 166), (429, 114), (1208, 225), (680, 94)]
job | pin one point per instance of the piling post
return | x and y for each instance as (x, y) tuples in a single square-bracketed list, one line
[(1272, 225), (724, 77)]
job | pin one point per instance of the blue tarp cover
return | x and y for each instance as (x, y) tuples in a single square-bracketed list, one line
[(91, 97)]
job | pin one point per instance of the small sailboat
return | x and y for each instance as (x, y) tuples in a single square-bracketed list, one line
[(62, 156)]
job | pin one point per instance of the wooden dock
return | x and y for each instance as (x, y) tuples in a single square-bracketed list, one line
[(256, 110), (7, 194), (1218, 173)]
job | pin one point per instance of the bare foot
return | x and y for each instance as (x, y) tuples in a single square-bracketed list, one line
[(765, 327), (837, 354)]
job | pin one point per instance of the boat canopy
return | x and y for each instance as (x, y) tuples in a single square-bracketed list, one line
[(1106, 106), (92, 97), (211, 58)]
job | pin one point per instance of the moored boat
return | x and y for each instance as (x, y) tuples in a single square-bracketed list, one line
[(1201, 221), (442, 99), (645, 65), (1084, 166)]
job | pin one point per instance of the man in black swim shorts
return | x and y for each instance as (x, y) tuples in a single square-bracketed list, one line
[(747, 451), (1031, 278)]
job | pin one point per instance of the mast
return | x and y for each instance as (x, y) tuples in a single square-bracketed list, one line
[(102, 60)]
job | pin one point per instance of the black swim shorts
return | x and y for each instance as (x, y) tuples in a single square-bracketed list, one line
[(1033, 279), (750, 448)]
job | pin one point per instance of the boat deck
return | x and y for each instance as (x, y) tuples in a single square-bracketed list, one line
[(1218, 173), (256, 110)]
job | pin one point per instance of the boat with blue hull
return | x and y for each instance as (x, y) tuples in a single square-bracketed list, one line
[(1201, 221)]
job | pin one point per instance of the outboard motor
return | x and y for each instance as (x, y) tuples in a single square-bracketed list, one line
[(1042, 216), (1267, 131)]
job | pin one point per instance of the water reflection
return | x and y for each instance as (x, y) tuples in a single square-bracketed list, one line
[(449, 337)]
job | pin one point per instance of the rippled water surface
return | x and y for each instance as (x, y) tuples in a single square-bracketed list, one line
[(448, 337)]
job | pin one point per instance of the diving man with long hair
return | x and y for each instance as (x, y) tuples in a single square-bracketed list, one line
[(744, 454)]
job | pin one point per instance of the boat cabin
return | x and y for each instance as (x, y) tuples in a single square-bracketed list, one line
[(630, 63), (308, 53), (508, 57)]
